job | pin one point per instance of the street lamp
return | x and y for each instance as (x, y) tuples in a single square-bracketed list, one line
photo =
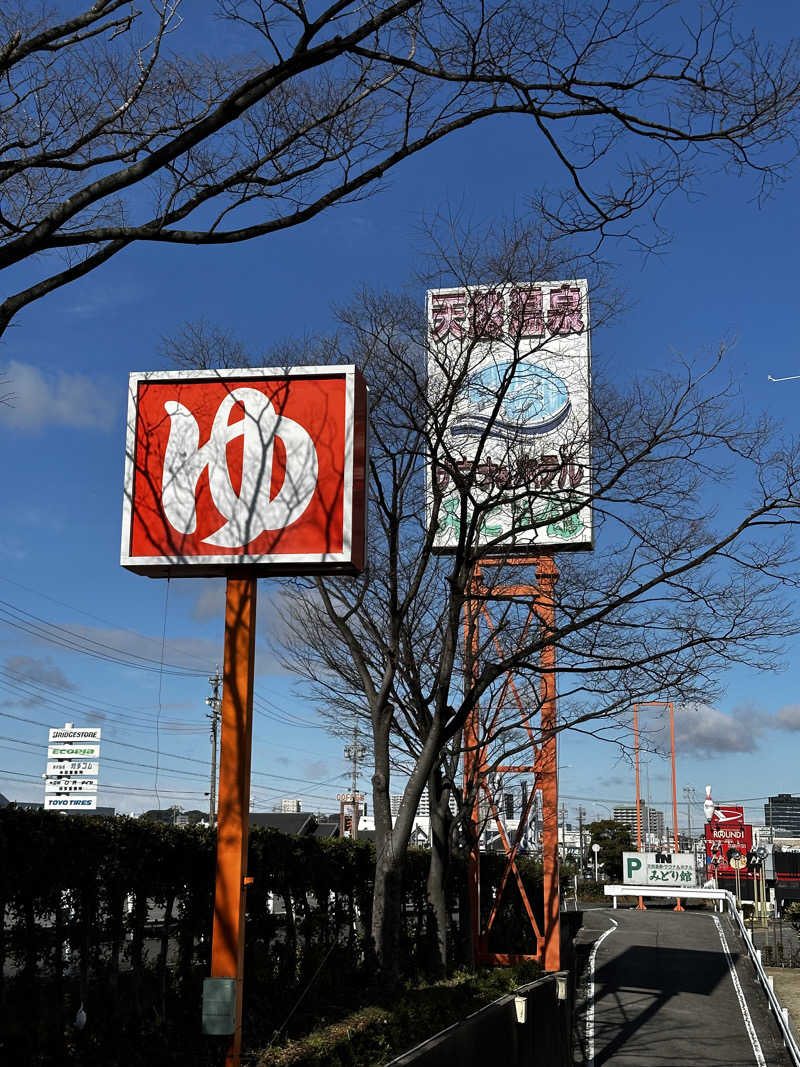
[(595, 849)]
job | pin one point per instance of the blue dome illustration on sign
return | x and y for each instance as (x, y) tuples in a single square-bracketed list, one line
[(536, 401)]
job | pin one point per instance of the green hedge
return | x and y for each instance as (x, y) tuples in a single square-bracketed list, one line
[(115, 914)]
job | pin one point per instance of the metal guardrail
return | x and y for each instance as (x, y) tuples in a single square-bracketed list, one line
[(665, 891), (781, 1014), (723, 895)]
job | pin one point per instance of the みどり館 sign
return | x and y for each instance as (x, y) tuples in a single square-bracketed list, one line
[(256, 468)]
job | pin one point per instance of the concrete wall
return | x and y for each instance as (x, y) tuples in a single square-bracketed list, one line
[(493, 1035)]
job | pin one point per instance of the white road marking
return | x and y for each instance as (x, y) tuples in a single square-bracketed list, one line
[(590, 994), (737, 985)]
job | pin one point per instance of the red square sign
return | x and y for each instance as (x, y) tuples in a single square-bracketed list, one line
[(727, 830), (264, 469)]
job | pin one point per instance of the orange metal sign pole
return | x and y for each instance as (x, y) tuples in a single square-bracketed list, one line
[(546, 577), (227, 945), (641, 905), (678, 906), (661, 704)]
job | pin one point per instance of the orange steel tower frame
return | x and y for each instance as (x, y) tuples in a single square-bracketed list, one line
[(671, 706), (541, 600)]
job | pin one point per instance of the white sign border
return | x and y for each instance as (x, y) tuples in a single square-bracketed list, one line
[(508, 547), (160, 566)]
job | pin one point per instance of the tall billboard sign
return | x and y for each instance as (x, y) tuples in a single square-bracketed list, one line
[(511, 367), (727, 831), (242, 474), (257, 469), (71, 774)]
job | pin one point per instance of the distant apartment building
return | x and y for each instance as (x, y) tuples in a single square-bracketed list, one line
[(423, 809), (652, 821), (782, 812), (290, 806)]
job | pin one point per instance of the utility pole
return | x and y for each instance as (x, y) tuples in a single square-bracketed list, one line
[(564, 831), (215, 703), (691, 796), (356, 753), (581, 817)]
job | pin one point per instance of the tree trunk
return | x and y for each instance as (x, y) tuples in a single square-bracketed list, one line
[(387, 911), (391, 842), (437, 871), (116, 919), (163, 953)]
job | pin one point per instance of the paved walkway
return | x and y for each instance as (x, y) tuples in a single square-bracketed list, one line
[(673, 989)]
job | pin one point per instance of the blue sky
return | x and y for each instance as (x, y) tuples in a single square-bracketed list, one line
[(730, 271)]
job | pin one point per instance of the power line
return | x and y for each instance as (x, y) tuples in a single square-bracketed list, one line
[(64, 637), (173, 755), (88, 614)]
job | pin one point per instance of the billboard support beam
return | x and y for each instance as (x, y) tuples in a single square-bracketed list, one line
[(546, 578), (227, 944), (660, 704), (641, 905), (541, 598)]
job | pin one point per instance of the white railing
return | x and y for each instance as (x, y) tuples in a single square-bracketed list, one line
[(665, 891), (781, 1014), (722, 895)]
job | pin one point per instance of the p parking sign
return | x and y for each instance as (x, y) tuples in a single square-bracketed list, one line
[(633, 864), (664, 869)]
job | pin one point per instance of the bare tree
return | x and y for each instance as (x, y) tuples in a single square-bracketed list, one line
[(677, 589), (118, 129)]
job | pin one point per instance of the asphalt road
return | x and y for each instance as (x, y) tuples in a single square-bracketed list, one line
[(664, 994)]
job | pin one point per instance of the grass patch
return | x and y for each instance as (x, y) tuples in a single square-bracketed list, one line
[(379, 1031)]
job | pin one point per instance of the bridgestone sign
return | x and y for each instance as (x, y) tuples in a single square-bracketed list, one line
[(73, 755), (70, 734)]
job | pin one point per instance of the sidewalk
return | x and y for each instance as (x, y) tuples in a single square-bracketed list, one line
[(787, 986)]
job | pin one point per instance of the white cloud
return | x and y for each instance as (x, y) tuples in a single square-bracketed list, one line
[(42, 399), (209, 599), (701, 729), (42, 671), (788, 718)]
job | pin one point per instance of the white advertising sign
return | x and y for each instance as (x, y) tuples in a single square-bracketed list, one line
[(659, 868), (67, 784), (73, 766), (87, 750), (69, 733), (70, 803), (517, 430)]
